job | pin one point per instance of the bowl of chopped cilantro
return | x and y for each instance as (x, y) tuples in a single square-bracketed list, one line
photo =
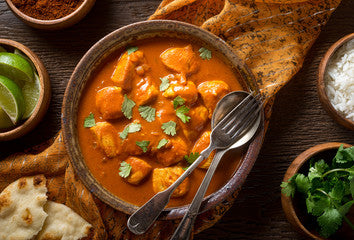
[(318, 190)]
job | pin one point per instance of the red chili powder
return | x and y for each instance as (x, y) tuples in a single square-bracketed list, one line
[(47, 9)]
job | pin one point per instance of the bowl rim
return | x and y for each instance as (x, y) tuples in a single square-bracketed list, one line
[(321, 86), (44, 98), (294, 167), (84, 8), (243, 169)]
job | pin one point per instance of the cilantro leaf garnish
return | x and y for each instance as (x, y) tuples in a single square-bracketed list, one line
[(327, 190), (143, 145), (127, 107), (165, 83), (162, 143), (181, 113), (124, 170), (178, 101), (147, 112), (169, 128), (90, 121), (192, 157), (130, 50), (131, 128), (205, 53)]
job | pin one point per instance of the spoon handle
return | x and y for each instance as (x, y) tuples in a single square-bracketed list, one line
[(140, 221), (185, 227)]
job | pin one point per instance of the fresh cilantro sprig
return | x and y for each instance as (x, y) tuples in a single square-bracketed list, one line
[(181, 113), (165, 83), (169, 128), (148, 113), (205, 53), (124, 170), (178, 101), (191, 158), (162, 143), (328, 190), (127, 107), (90, 121), (143, 145), (131, 128)]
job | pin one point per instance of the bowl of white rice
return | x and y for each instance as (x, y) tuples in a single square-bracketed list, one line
[(336, 81)]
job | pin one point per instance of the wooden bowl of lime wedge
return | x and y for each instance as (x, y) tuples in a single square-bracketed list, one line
[(24, 90)]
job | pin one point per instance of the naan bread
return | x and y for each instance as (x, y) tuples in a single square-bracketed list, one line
[(63, 223), (21, 208)]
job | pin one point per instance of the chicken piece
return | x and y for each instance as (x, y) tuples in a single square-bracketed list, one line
[(202, 143), (124, 73), (146, 92), (212, 92), (173, 152), (182, 60), (142, 69), (198, 120), (162, 178), (140, 170), (188, 92), (109, 102), (106, 138)]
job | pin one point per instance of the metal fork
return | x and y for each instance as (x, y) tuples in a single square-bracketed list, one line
[(224, 134)]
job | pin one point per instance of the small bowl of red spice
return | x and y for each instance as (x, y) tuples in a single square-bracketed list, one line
[(50, 14)]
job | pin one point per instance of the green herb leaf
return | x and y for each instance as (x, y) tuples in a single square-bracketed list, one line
[(143, 145), (90, 121), (289, 187), (329, 222), (165, 83), (192, 157), (178, 101), (317, 204), (337, 192), (181, 113), (344, 155), (205, 53), (343, 210), (130, 50), (124, 170), (127, 107), (169, 128), (147, 112), (162, 143), (131, 128), (318, 169), (302, 183)]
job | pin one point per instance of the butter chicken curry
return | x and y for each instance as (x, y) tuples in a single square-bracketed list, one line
[(145, 117)]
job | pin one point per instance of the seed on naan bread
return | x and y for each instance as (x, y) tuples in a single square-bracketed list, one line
[(21, 208), (63, 223)]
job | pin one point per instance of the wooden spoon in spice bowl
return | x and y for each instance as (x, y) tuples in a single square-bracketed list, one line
[(50, 14)]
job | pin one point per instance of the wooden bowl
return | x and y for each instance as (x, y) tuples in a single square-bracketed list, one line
[(44, 98), (292, 213), (119, 39), (321, 85), (55, 24)]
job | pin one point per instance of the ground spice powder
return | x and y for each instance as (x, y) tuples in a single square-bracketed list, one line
[(47, 9)]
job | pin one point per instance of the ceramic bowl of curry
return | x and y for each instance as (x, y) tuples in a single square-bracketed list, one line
[(49, 15), (137, 109)]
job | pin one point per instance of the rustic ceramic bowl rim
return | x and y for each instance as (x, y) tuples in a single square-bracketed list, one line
[(299, 161), (47, 22), (44, 98), (321, 85), (97, 52)]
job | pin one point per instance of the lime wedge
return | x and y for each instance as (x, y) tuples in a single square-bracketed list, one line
[(15, 68), (31, 92), (11, 99), (20, 53), (5, 121), (2, 49)]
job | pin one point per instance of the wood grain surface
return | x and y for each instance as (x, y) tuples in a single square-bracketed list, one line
[(298, 121)]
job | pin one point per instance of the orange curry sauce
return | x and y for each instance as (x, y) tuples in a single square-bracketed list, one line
[(106, 170)]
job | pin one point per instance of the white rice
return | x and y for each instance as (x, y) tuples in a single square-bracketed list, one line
[(340, 80)]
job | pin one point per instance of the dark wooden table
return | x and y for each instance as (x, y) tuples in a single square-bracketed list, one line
[(298, 121)]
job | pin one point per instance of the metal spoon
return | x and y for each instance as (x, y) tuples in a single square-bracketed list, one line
[(224, 134), (185, 227)]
